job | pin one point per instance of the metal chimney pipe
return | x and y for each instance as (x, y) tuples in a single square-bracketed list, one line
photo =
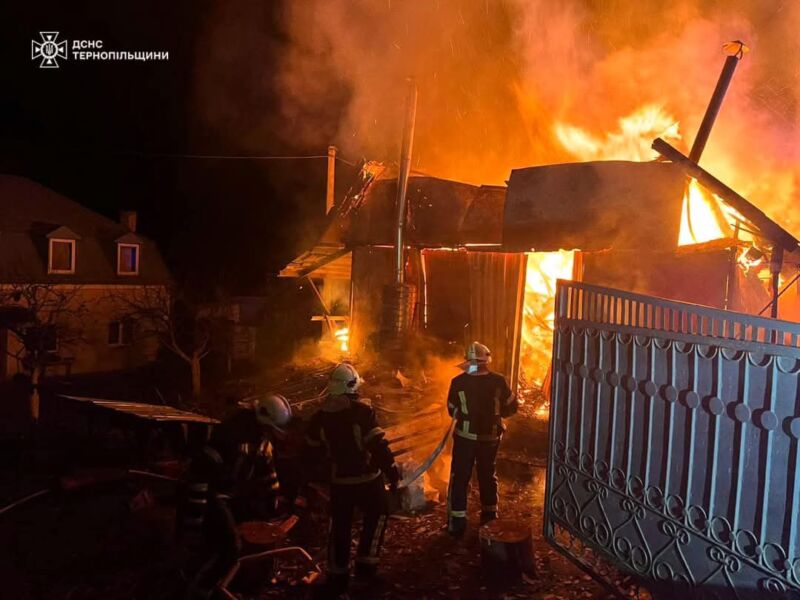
[(402, 177), (329, 188), (735, 51)]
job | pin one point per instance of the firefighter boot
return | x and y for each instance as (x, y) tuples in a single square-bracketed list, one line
[(488, 515), (457, 526), (334, 586), (366, 572)]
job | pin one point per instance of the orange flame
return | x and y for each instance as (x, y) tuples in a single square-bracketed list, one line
[(699, 223), (342, 336), (631, 142), (538, 312)]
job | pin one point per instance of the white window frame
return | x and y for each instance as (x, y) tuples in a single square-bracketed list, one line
[(50, 269), (138, 247)]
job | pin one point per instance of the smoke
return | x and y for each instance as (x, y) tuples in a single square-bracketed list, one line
[(496, 78)]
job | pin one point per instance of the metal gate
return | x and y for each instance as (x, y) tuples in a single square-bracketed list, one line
[(674, 444)]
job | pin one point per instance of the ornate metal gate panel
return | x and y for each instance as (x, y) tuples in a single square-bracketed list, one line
[(674, 443)]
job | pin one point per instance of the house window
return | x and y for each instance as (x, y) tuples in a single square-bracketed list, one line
[(128, 259), (62, 256), (120, 333)]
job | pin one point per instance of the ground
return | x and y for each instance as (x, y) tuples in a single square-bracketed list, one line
[(91, 545), (420, 560), (99, 543)]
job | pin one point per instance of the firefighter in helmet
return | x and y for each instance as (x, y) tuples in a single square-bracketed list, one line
[(231, 480), (478, 399), (347, 431)]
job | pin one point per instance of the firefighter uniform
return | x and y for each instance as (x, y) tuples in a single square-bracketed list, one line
[(347, 431), (232, 479), (479, 402)]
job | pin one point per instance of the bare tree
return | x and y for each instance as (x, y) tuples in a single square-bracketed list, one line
[(179, 325), (47, 320)]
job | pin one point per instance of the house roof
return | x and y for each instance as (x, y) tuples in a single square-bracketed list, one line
[(323, 260), (441, 213), (594, 206), (590, 206), (152, 412), (31, 213)]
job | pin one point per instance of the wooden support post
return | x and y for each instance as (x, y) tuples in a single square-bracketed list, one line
[(506, 550)]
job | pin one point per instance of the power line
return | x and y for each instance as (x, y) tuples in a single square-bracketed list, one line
[(233, 156), (139, 154)]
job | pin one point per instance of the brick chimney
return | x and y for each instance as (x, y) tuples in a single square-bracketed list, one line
[(128, 219)]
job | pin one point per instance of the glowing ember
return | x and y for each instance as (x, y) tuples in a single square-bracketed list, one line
[(543, 269), (699, 222)]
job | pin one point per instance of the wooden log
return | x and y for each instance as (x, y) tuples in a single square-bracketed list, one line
[(506, 550)]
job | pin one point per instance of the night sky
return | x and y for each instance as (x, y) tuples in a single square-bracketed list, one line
[(97, 131)]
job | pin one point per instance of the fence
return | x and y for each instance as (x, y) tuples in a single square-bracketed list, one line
[(674, 443)]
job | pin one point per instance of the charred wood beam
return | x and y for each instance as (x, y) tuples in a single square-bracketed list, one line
[(768, 228)]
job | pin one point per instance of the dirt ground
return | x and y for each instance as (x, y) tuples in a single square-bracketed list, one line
[(91, 546), (421, 561)]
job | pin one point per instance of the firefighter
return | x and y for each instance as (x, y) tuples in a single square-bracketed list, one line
[(347, 431), (478, 399), (232, 479)]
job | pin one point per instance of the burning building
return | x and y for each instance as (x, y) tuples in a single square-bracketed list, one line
[(484, 259), (457, 261)]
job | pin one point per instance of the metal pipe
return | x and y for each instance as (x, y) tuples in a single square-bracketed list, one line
[(402, 177), (785, 288), (775, 266), (329, 195), (735, 51)]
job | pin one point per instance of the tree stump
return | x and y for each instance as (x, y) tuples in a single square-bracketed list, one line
[(258, 536), (506, 550)]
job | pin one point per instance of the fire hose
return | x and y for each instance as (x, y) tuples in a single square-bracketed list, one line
[(426, 464)]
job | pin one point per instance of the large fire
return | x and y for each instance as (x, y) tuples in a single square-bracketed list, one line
[(538, 317), (702, 220), (699, 221)]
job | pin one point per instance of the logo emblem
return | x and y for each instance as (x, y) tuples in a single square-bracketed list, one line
[(49, 50)]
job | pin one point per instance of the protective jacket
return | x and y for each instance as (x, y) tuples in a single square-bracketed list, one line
[(355, 444), (235, 467), (480, 402), (348, 432)]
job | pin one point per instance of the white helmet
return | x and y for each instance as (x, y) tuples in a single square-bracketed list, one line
[(272, 409), (478, 353), (344, 379)]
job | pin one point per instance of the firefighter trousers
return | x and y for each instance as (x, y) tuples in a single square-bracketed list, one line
[(370, 498), (466, 455)]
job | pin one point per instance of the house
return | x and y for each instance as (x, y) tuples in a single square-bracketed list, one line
[(79, 272), (484, 259)]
